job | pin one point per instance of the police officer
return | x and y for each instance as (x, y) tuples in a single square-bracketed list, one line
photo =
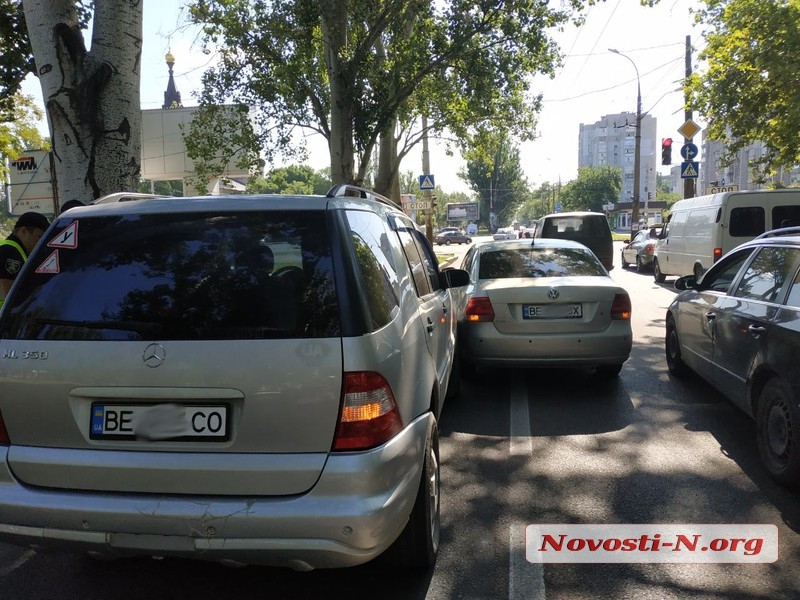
[(15, 248)]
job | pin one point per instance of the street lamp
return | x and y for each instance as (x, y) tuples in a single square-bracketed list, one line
[(637, 146)]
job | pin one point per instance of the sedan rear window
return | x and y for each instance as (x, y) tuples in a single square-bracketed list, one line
[(183, 276), (538, 262)]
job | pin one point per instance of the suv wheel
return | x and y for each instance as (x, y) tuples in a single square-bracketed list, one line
[(447, 242), (657, 274), (672, 348), (418, 544), (778, 428)]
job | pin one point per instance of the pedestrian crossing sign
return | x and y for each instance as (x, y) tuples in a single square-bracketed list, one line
[(689, 169), (426, 182)]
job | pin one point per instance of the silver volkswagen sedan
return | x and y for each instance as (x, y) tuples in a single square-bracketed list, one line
[(542, 303)]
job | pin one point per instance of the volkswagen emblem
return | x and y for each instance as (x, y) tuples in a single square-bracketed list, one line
[(154, 355), (552, 294)]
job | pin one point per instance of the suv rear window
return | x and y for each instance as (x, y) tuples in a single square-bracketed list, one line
[(183, 276)]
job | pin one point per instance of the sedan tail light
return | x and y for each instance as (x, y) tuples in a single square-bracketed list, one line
[(621, 307), (4, 439), (369, 415), (479, 310), (650, 248)]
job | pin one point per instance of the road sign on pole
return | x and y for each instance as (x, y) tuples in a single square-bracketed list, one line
[(689, 169), (689, 129), (426, 182), (689, 151)]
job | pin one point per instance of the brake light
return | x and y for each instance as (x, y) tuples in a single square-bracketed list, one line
[(4, 439), (650, 248), (717, 254), (621, 307), (479, 310), (369, 415)]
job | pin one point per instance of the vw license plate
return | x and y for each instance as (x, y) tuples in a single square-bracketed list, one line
[(552, 311), (158, 422)]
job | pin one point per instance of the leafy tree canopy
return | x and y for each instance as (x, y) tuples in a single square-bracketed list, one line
[(749, 91), (351, 71), (294, 179), (594, 187), (20, 132)]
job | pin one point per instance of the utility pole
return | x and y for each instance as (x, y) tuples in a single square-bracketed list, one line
[(637, 166), (426, 169), (689, 182)]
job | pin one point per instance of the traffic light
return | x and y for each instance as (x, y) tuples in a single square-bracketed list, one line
[(666, 151)]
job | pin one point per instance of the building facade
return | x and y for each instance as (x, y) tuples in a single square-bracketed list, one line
[(611, 141)]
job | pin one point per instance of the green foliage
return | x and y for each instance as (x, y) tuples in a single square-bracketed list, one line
[(294, 179), (20, 132), (494, 172), (749, 90), (299, 63), (594, 187)]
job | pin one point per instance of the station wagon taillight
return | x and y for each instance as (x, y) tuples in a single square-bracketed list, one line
[(479, 310), (369, 415), (4, 439), (621, 307)]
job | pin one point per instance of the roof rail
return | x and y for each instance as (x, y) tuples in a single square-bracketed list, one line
[(125, 197), (345, 189), (781, 231)]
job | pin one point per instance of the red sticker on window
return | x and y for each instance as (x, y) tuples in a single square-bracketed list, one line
[(50, 264), (68, 238)]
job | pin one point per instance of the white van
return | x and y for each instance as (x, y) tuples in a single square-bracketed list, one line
[(698, 231)]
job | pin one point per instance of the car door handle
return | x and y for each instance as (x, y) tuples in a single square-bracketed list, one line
[(711, 316), (430, 325), (756, 330)]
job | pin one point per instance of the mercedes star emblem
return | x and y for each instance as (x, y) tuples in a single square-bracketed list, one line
[(154, 355)]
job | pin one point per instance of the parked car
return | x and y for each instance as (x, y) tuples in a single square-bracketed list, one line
[(589, 228), (452, 237), (640, 250), (737, 327), (209, 378), (698, 231), (453, 229), (542, 303), (504, 233)]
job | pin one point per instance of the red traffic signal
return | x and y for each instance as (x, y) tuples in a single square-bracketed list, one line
[(666, 151)]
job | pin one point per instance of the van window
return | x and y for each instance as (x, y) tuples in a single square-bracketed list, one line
[(747, 221), (675, 223), (785, 216)]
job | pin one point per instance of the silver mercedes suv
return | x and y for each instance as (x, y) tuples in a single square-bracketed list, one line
[(245, 379)]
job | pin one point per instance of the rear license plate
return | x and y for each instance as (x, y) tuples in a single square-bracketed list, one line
[(154, 422), (552, 311)]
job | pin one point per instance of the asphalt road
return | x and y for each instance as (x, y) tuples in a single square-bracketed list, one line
[(527, 447)]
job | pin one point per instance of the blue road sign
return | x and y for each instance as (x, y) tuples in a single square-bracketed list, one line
[(688, 151), (689, 169), (426, 182)]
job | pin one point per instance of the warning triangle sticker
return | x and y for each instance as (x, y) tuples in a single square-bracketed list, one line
[(50, 264), (68, 238)]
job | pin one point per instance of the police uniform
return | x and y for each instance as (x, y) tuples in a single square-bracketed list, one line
[(12, 257)]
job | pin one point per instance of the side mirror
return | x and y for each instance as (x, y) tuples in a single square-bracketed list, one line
[(455, 278), (687, 282)]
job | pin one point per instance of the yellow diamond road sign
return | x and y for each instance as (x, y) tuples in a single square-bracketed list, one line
[(689, 129)]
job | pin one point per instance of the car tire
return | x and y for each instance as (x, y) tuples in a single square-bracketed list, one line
[(469, 241), (657, 274), (778, 432), (639, 265), (418, 544), (608, 371), (447, 242), (625, 264), (672, 349)]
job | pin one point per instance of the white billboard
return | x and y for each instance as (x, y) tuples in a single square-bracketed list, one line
[(31, 186)]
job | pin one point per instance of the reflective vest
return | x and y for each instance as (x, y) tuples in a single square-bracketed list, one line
[(20, 250)]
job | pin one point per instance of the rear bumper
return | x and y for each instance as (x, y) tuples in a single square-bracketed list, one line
[(481, 344), (356, 510)]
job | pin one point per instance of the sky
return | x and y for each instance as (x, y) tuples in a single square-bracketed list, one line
[(593, 82)]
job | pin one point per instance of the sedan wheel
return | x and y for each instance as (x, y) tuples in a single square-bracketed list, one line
[(639, 265), (657, 274), (447, 242), (778, 427), (625, 263), (672, 348)]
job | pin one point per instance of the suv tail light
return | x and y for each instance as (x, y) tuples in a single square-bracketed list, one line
[(621, 307), (4, 439), (479, 310), (369, 415)]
